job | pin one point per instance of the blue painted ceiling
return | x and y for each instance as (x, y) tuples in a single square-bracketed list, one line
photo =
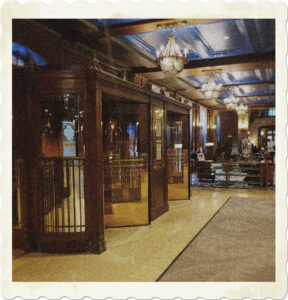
[(215, 40), (211, 40)]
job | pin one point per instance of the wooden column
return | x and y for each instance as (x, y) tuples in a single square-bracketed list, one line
[(35, 217), (186, 144), (94, 208)]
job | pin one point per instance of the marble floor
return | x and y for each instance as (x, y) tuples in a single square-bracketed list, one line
[(139, 253)]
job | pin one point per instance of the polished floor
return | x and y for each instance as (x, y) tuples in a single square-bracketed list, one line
[(139, 253)]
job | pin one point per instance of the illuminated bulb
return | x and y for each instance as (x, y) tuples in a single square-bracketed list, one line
[(158, 53), (162, 48)]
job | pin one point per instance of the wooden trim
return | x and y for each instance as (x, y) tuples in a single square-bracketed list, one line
[(151, 25), (94, 203), (177, 109), (240, 97), (215, 65), (225, 86)]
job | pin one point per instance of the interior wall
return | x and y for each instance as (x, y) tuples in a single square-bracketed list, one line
[(254, 126), (52, 47), (229, 126)]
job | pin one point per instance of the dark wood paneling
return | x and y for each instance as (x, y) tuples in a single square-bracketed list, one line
[(229, 126), (159, 182), (94, 208)]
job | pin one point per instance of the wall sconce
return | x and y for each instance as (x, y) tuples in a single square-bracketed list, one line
[(209, 144)]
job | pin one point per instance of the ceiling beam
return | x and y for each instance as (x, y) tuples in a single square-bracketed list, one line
[(152, 25), (240, 97), (215, 65), (250, 106), (250, 84)]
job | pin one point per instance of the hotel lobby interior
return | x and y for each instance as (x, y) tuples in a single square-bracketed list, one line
[(143, 150)]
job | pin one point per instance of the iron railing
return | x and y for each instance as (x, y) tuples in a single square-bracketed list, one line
[(122, 180), (18, 192), (175, 168), (62, 190)]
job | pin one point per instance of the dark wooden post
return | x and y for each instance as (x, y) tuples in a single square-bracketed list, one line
[(186, 144), (35, 217), (94, 208)]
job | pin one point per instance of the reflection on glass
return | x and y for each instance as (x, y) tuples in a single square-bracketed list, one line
[(122, 163), (175, 152), (62, 163), (158, 134), (177, 155), (62, 122)]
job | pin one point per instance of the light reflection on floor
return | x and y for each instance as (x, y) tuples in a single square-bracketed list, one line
[(139, 253)]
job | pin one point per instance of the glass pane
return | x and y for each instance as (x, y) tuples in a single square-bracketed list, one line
[(158, 134), (125, 164), (177, 156), (174, 152), (62, 163), (62, 122)]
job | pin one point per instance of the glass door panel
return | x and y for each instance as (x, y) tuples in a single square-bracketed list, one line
[(177, 156), (125, 164), (159, 203), (62, 163)]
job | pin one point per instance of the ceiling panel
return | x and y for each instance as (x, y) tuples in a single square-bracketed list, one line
[(223, 37), (211, 40)]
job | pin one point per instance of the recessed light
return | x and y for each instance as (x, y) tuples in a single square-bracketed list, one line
[(226, 37)]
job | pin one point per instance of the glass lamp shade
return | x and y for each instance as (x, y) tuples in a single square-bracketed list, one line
[(241, 109), (230, 105), (231, 102), (211, 89), (172, 64), (171, 59)]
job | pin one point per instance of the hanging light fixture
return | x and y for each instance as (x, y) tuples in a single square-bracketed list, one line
[(241, 109), (231, 102), (171, 59), (211, 89)]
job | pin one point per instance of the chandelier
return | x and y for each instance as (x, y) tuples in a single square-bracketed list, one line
[(231, 102), (171, 59), (211, 89), (241, 109)]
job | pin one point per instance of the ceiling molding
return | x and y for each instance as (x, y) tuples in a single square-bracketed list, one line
[(152, 25), (215, 65), (241, 97), (250, 84)]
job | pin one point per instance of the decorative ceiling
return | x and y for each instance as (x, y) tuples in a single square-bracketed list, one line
[(238, 53)]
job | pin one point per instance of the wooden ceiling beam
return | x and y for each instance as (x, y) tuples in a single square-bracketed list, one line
[(241, 97), (215, 65), (250, 84), (250, 106), (154, 24)]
